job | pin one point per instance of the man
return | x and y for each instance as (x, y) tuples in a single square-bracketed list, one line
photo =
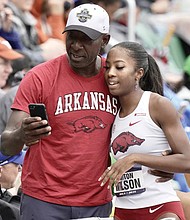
[(7, 54), (20, 67), (66, 158), (9, 173)]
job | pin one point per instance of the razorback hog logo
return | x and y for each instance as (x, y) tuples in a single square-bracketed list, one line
[(88, 124), (124, 141)]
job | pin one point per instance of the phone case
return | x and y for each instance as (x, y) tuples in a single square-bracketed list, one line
[(38, 109)]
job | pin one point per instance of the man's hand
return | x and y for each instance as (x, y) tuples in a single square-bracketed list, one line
[(163, 176), (33, 129)]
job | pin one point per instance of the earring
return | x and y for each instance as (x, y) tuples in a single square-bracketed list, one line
[(136, 84)]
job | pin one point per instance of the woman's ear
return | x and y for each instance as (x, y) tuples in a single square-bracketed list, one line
[(139, 73)]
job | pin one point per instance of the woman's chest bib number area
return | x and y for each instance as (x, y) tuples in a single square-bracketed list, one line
[(131, 183)]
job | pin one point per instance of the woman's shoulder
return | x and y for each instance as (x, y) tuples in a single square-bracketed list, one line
[(157, 99), (161, 108)]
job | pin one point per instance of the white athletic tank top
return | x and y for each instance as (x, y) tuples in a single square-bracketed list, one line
[(137, 133)]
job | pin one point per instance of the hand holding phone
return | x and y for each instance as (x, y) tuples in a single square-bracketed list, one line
[(38, 109)]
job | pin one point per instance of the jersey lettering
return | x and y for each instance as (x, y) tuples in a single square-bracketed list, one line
[(86, 101)]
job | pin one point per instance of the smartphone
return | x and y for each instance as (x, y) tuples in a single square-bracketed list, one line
[(38, 109)]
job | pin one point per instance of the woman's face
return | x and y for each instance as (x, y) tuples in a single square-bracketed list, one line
[(120, 72), (5, 71)]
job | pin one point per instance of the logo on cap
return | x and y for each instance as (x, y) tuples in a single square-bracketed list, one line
[(84, 15)]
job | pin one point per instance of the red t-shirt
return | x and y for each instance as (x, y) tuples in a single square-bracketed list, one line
[(64, 167)]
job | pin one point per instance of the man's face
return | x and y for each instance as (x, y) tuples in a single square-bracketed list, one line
[(5, 70), (82, 50), (8, 175)]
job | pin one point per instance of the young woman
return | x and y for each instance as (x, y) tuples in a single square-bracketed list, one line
[(146, 125)]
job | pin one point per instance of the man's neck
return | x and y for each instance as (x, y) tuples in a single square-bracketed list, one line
[(91, 70)]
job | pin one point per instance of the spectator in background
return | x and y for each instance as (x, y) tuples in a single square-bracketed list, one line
[(68, 5), (9, 176), (49, 16), (50, 21), (111, 6), (154, 6), (6, 30), (20, 67), (7, 54), (23, 24)]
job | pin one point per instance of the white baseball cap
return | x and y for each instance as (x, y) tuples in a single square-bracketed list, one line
[(91, 19)]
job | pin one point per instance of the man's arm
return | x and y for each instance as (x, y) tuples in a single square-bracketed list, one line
[(22, 130), (11, 139), (162, 176)]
